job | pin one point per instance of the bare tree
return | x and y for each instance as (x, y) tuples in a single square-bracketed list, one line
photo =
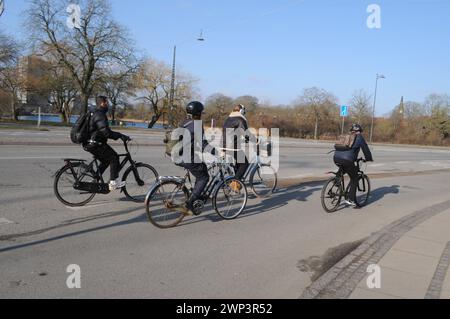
[(11, 80), (218, 106), (437, 107), (99, 41), (319, 104), (153, 79), (9, 50), (116, 83), (360, 107), (63, 91)]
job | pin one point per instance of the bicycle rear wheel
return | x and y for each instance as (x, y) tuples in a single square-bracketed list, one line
[(331, 195), (263, 181), (138, 191), (65, 191), (230, 199), (165, 203)]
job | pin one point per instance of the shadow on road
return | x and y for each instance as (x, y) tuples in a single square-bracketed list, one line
[(280, 198), (379, 193), (73, 222)]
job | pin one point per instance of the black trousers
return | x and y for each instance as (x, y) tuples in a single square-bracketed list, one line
[(241, 168), (200, 172), (107, 157), (352, 171)]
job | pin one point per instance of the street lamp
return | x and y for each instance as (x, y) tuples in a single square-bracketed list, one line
[(379, 76)]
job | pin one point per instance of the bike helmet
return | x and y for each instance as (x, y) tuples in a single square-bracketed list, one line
[(356, 128), (195, 108)]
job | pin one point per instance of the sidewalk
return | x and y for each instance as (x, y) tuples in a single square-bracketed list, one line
[(416, 267), (413, 255)]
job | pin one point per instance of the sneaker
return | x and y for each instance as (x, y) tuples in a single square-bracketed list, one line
[(351, 203), (235, 186), (117, 184)]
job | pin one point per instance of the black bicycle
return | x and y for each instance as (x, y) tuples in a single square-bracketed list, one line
[(167, 197), (335, 189), (77, 183)]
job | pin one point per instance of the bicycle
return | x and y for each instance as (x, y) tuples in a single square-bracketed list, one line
[(77, 183), (170, 193), (262, 178), (334, 190)]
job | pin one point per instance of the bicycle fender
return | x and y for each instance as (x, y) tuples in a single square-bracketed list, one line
[(176, 179), (151, 190)]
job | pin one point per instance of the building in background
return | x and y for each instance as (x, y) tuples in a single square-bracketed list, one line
[(33, 95)]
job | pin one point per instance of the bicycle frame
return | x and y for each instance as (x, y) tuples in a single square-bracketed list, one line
[(95, 162), (340, 174), (212, 184)]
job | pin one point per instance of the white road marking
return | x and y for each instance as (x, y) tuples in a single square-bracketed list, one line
[(4, 221), (377, 165)]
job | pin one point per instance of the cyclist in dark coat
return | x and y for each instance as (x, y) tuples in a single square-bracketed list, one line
[(346, 160), (237, 121), (98, 143), (195, 164)]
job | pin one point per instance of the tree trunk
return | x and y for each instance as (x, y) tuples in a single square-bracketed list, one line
[(13, 107), (64, 117), (84, 103), (316, 128), (113, 114), (155, 119)]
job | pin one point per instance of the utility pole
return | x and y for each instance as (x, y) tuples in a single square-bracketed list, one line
[(172, 88), (379, 76)]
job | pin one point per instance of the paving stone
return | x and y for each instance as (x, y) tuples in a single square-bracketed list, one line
[(401, 284), (420, 246), (411, 263)]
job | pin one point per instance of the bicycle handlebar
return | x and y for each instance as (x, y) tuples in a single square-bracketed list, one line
[(125, 144)]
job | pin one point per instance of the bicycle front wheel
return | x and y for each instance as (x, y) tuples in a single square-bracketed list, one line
[(165, 205), (65, 191), (230, 199), (263, 181), (331, 195), (139, 180)]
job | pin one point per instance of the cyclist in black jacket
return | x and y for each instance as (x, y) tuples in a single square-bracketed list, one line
[(98, 143), (195, 163), (346, 160)]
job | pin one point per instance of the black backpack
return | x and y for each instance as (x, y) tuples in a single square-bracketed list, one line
[(80, 131)]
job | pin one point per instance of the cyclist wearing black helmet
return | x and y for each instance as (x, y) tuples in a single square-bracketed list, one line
[(347, 158), (195, 165)]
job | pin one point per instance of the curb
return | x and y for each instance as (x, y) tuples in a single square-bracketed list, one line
[(340, 281)]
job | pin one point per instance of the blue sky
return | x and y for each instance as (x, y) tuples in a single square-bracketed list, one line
[(274, 49)]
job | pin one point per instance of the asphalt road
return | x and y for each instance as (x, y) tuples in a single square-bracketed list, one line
[(269, 252)]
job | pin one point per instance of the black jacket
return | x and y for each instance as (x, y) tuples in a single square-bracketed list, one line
[(352, 154), (99, 127), (235, 121), (196, 144)]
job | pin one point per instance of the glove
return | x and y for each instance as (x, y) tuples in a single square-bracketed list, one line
[(125, 138)]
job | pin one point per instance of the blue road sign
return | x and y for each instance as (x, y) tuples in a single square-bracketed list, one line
[(344, 111)]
